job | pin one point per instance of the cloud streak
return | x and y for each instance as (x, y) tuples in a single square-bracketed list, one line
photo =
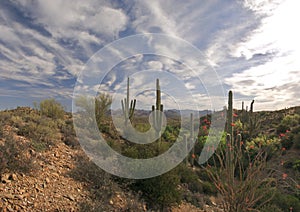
[(252, 45)]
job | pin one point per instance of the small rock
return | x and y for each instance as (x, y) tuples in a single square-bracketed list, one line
[(13, 177), (20, 197), (9, 209), (22, 191), (32, 152), (5, 181), (70, 197), (213, 200), (47, 180), (55, 174), (9, 196), (5, 178), (111, 202), (51, 167)]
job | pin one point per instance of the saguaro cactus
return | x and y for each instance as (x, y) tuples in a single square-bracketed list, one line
[(230, 139), (230, 115), (157, 116), (251, 106), (192, 137), (128, 110)]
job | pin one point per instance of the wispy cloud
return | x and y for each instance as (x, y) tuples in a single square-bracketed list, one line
[(275, 83), (48, 43), (252, 45)]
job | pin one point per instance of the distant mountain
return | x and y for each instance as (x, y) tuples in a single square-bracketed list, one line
[(172, 113)]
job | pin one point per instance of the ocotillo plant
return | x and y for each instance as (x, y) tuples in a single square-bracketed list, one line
[(243, 186), (157, 116), (128, 110)]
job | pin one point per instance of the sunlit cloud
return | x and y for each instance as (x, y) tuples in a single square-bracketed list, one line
[(277, 36), (252, 46)]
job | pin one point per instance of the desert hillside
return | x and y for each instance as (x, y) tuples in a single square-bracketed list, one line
[(43, 167)]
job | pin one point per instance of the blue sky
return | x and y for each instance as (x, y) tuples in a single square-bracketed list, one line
[(252, 45)]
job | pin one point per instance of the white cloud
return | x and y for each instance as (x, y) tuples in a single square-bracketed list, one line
[(277, 35), (155, 65), (253, 45), (35, 55), (63, 18)]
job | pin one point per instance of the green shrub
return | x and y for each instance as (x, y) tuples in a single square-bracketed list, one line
[(296, 165), (187, 175), (196, 186), (195, 199), (161, 191), (287, 142), (270, 208), (288, 164), (1, 130), (42, 132), (209, 188), (297, 141), (286, 201), (52, 109), (69, 134), (203, 175), (13, 156), (5, 117)]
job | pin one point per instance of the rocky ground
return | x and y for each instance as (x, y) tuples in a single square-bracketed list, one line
[(63, 179)]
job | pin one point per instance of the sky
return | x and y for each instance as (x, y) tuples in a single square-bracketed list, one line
[(248, 46)]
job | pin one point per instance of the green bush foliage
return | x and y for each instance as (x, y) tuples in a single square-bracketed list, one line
[(296, 165), (42, 131), (52, 109), (161, 191), (286, 201), (270, 208), (69, 134), (209, 188), (13, 155)]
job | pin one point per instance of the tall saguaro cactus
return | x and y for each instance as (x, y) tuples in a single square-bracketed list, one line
[(157, 116), (128, 109), (230, 139), (230, 115)]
